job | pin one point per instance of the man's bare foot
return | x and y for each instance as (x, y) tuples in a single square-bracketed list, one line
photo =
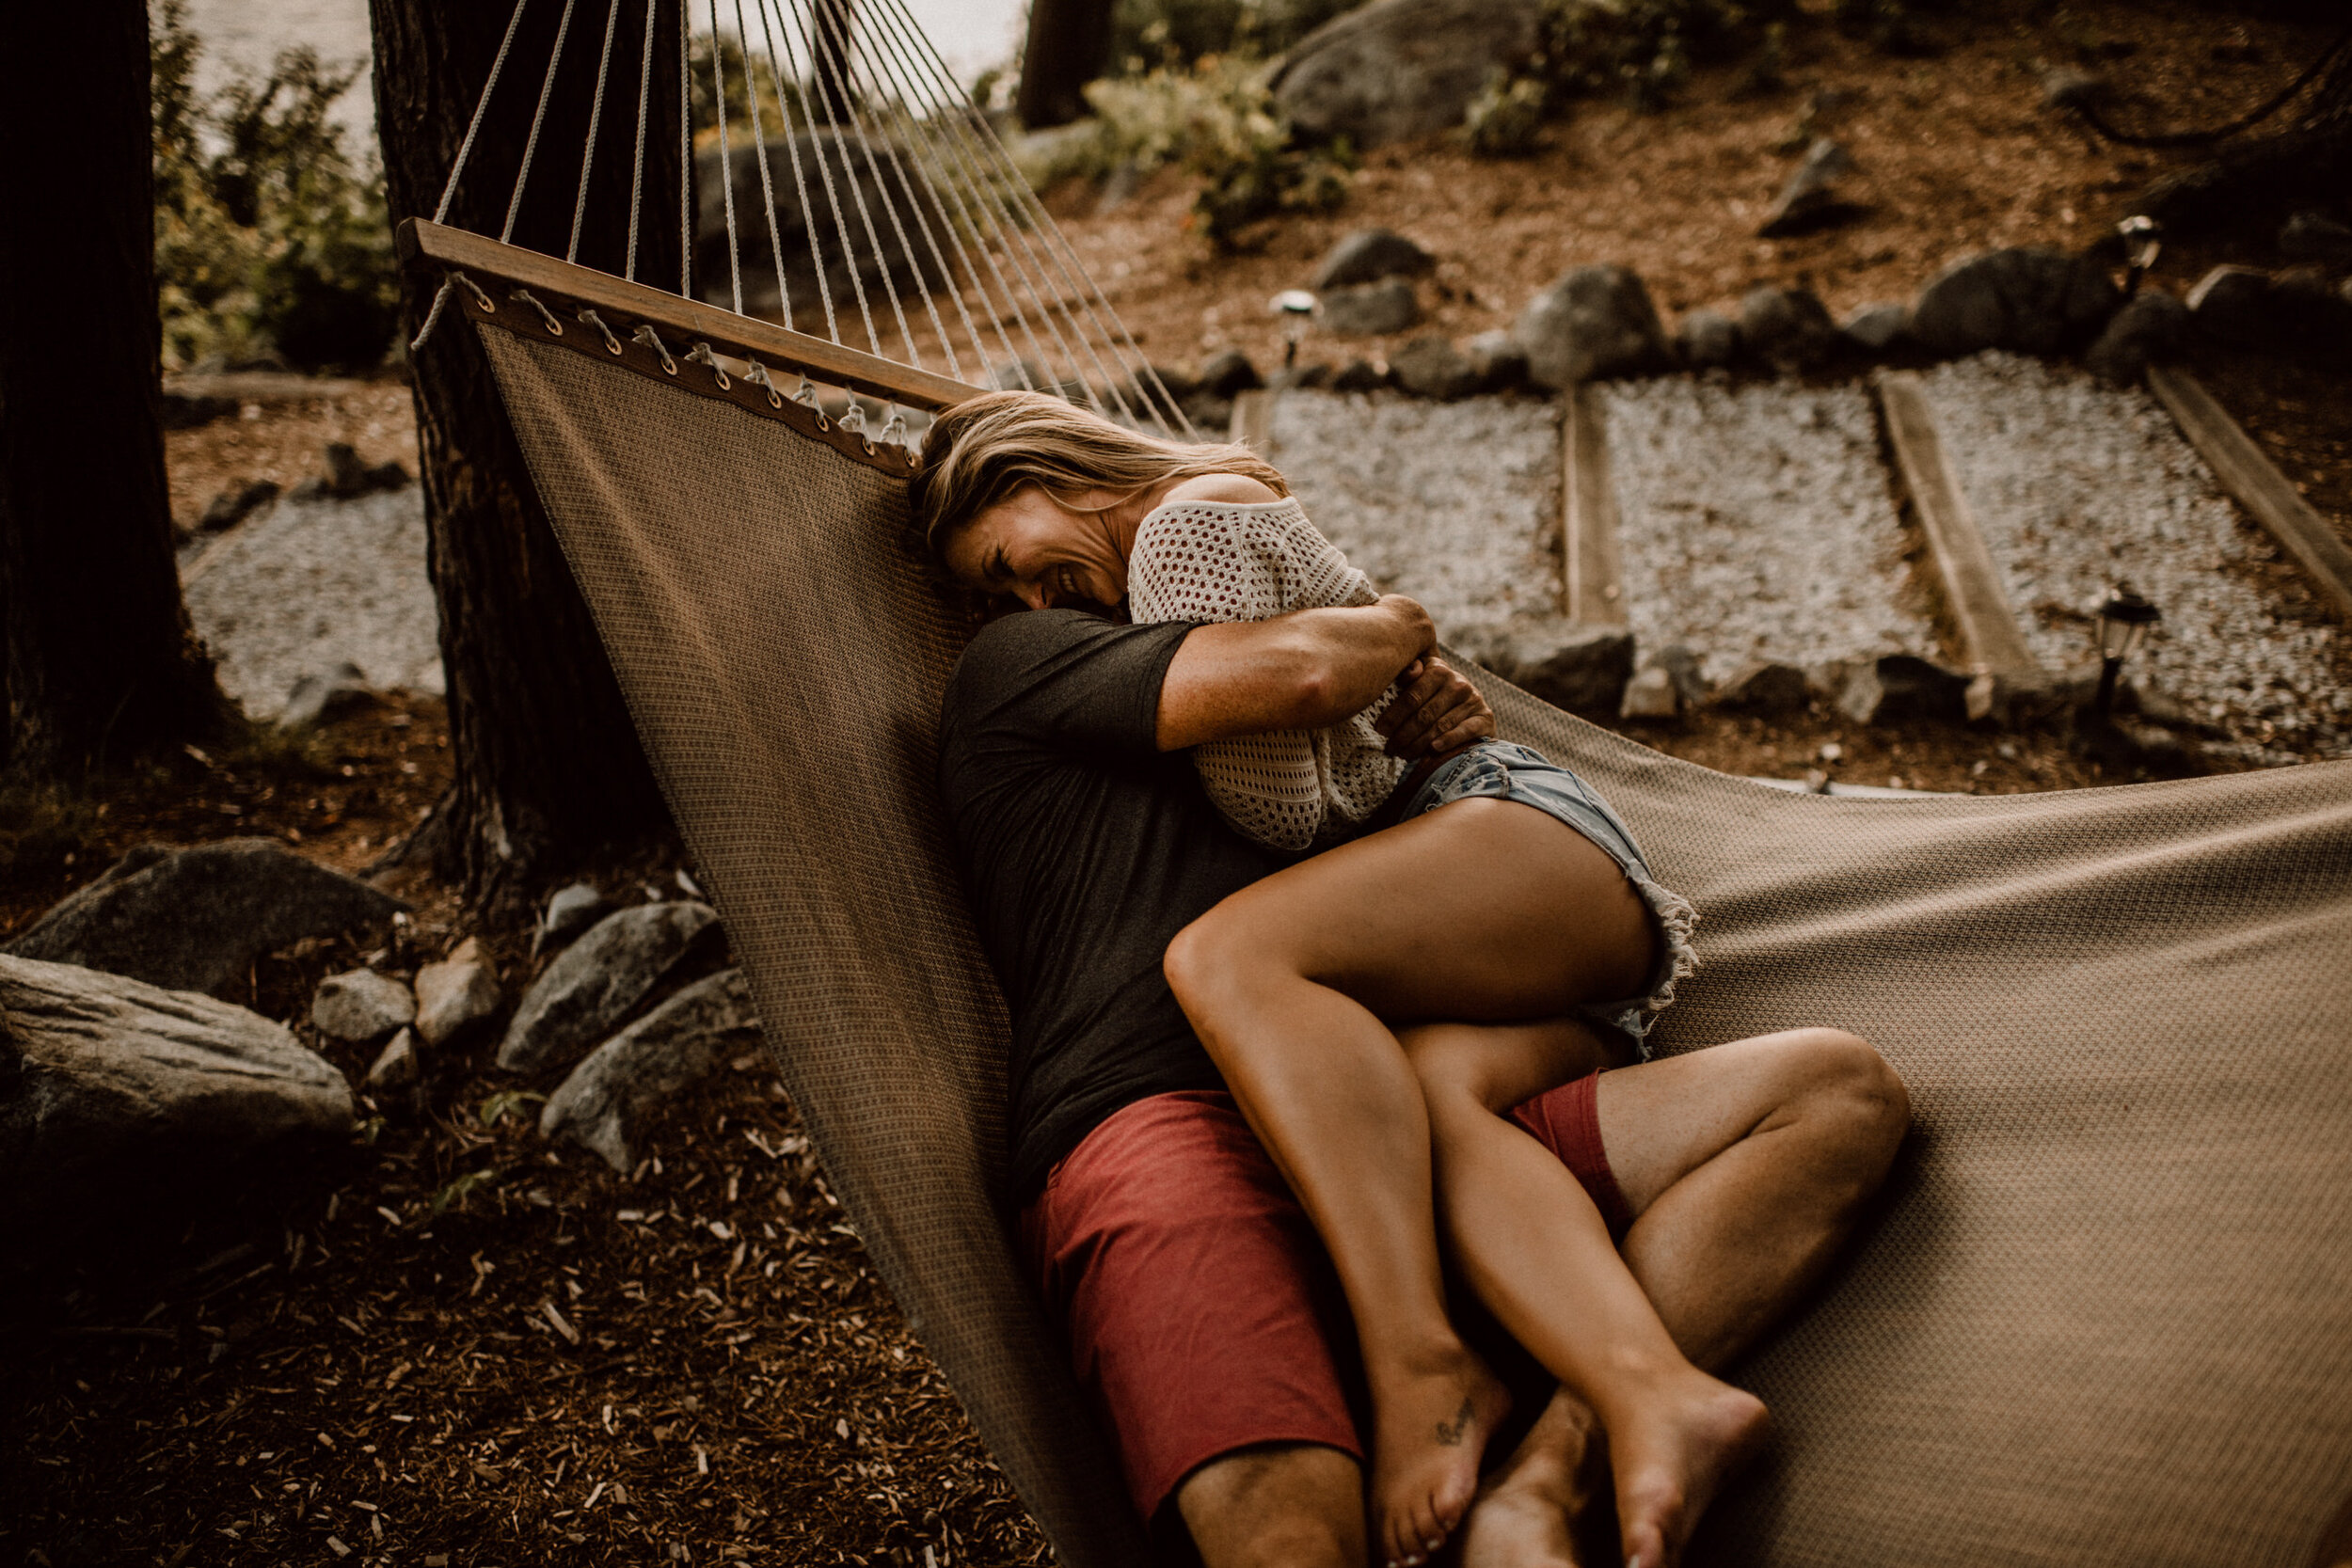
[(1670, 1455), (1525, 1512), (1429, 1429)]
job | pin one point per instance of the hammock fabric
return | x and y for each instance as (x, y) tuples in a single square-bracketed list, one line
[(2107, 1317)]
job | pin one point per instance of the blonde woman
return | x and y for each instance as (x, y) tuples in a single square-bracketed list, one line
[(1505, 893)]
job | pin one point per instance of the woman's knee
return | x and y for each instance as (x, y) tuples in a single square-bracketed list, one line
[(1215, 955)]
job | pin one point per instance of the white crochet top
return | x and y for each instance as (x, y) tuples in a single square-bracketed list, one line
[(1234, 560)]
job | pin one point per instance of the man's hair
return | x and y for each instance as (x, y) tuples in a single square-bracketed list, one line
[(982, 451)]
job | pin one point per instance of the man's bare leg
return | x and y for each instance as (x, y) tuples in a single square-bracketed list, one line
[(1746, 1166), (1287, 1505)]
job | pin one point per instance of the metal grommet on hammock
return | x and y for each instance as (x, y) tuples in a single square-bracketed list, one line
[(894, 431), (806, 395), (854, 423), (524, 296), (757, 377), (481, 295), (612, 343), (701, 354), (652, 339)]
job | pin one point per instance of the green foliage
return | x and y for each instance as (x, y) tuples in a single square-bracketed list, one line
[(503, 1104), (1507, 117), (1645, 48), (1214, 120), (270, 242), (1147, 35)]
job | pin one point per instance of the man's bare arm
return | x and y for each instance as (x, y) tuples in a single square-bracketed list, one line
[(1303, 670)]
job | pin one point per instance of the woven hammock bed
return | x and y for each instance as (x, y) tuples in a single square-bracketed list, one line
[(2105, 1315)]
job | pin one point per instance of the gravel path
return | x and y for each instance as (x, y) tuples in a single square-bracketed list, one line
[(307, 584), (1756, 522), (1455, 504), (2077, 485)]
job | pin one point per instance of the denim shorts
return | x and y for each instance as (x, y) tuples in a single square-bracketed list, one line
[(1504, 771)]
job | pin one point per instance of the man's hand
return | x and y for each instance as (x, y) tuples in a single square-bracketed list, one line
[(1436, 712)]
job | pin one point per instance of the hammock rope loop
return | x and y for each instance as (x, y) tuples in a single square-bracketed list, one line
[(524, 296), (481, 296), (652, 339), (757, 377), (701, 354), (589, 318)]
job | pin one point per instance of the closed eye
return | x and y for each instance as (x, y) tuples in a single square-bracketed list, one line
[(997, 570)]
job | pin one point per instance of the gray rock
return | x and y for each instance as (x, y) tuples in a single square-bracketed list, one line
[(1212, 417), (2152, 328), (1496, 360), (1398, 70), (1761, 686), (196, 919), (2063, 88), (877, 184), (598, 980), (456, 993), (608, 1097), (1650, 694), (1896, 688), (396, 1066), (361, 1004), (1682, 668), (1359, 375), (1311, 377), (2317, 237), (1583, 668), (572, 911), (1228, 374), (1371, 309), (1789, 329), (1594, 321), (231, 507), (107, 1081), (1369, 255), (1431, 367), (346, 475), (2030, 300), (1706, 342), (325, 694), (2294, 315), (1878, 330), (391, 474), (1810, 199)]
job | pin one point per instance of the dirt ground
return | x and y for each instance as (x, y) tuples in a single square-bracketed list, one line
[(451, 1343)]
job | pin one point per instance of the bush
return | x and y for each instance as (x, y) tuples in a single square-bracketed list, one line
[(1645, 48), (1506, 117), (1147, 35), (270, 242)]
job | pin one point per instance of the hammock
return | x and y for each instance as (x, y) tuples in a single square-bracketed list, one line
[(2106, 1316)]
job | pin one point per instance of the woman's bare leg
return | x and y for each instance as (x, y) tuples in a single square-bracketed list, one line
[(1483, 909)]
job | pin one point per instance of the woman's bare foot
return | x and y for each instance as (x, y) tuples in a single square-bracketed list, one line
[(1670, 1454), (1526, 1513), (1429, 1429)]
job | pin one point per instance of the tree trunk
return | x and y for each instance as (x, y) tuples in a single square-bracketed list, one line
[(100, 663), (1068, 39), (549, 769)]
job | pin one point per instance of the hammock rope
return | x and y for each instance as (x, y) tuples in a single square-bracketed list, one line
[(538, 118), (637, 170), (595, 118), (767, 180), (727, 159)]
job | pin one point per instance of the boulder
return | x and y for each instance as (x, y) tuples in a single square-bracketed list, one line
[(2293, 315), (397, 1066), (196, 919), (1228, 374), (1496, 360), (2152, 328), (232, 506), (572, 911), (1789, 329), (1398, 70), (1682, 668), (1431, 367), (1371, 309), (1897, 688), (2317, 237), (1583, 668), (346, 476), (2030, 300), (1706, 342), (1650, 694), (1369, 255), (1594, 321), (598, 980), (1359, 375), (456, 993), (325, 694), (1877, 330), (607, 1098), (883, 184), (361, 1004), (109, 1083), (1762, 686), (1811, 200)]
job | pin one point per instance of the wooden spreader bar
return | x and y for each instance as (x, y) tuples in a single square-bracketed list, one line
[(424, 243)]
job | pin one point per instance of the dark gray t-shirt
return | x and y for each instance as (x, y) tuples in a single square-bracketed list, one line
[(1084, 848)]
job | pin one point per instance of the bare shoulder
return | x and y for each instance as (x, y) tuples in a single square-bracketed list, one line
[(1237, 488)]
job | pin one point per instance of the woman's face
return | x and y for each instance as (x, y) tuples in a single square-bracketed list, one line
[(1042, 553)]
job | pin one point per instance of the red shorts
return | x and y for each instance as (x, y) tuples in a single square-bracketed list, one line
[(1201, 1313)]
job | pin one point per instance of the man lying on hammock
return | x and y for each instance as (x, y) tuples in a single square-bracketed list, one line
[(1159, 1172)]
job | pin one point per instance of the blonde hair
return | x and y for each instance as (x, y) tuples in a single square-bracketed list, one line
[(991, 447)]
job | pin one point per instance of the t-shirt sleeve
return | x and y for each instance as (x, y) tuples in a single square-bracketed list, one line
[(1065, 679)]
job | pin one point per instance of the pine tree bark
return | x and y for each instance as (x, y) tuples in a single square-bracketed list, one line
[(1067, 42), (101, 664), (547, 768)]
